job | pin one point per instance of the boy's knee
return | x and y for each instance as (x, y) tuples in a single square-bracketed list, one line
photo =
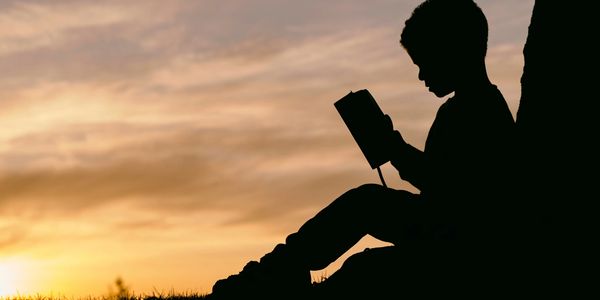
[(371, 261), (357, 197), (369, 190)]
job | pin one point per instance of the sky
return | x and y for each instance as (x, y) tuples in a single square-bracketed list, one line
[(170, 142)]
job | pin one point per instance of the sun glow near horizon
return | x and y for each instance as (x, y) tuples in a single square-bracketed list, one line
[(13, 279)]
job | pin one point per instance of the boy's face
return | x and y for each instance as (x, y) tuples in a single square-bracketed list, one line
[(435, 71)]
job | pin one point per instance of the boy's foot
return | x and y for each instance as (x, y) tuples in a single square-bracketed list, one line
[(276, 276)]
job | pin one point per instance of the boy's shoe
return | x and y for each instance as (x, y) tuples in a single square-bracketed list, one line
[(276, 276)]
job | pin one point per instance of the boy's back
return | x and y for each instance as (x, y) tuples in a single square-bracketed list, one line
[(465, 169), (468, 145)]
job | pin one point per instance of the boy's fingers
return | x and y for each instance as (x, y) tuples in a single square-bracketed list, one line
[(398, 137), (388, 122)]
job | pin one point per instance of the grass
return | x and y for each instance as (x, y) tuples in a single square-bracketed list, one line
[(132, 297), (154, 296), (120, 292)]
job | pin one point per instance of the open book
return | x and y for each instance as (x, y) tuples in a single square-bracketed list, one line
[(366, 123)]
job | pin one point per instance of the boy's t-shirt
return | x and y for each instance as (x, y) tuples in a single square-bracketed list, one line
[(465, 168)]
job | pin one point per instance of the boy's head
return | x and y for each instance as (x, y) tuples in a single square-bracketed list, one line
[(445, 39)]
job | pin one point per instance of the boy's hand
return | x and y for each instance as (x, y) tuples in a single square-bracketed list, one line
[(395, 138), (389, 125)]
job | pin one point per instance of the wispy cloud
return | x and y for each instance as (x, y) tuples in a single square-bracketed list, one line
[(172, 130)]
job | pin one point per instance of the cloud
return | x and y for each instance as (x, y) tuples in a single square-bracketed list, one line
[(11, 235), (27, 25), (194, 169), (210, 144), (508, 20), (213, 129)]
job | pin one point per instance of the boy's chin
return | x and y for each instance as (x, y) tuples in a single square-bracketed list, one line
[(441, 93)]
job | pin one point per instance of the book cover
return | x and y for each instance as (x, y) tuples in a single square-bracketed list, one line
[(366, 122)]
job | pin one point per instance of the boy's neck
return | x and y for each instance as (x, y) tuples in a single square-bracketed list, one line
[(475, 78)]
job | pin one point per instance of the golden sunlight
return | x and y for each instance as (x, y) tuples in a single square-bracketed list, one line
[(11, 278)]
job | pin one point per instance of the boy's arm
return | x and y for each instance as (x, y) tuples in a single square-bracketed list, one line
[(408, 160)]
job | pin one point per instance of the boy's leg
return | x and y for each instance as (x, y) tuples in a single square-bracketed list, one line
[(370, 274), (386, 214), (429, 269)]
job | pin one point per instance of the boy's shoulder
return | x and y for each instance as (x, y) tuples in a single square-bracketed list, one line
[(475, 99), (479, 103)]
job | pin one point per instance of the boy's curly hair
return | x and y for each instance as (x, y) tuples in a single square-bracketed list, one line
[(451, 25)]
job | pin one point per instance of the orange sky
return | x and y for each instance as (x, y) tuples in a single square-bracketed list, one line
[(171, 142)]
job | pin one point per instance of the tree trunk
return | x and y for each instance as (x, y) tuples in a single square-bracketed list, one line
[(557, 151)]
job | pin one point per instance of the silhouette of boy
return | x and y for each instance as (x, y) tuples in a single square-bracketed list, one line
[(461, 174)]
